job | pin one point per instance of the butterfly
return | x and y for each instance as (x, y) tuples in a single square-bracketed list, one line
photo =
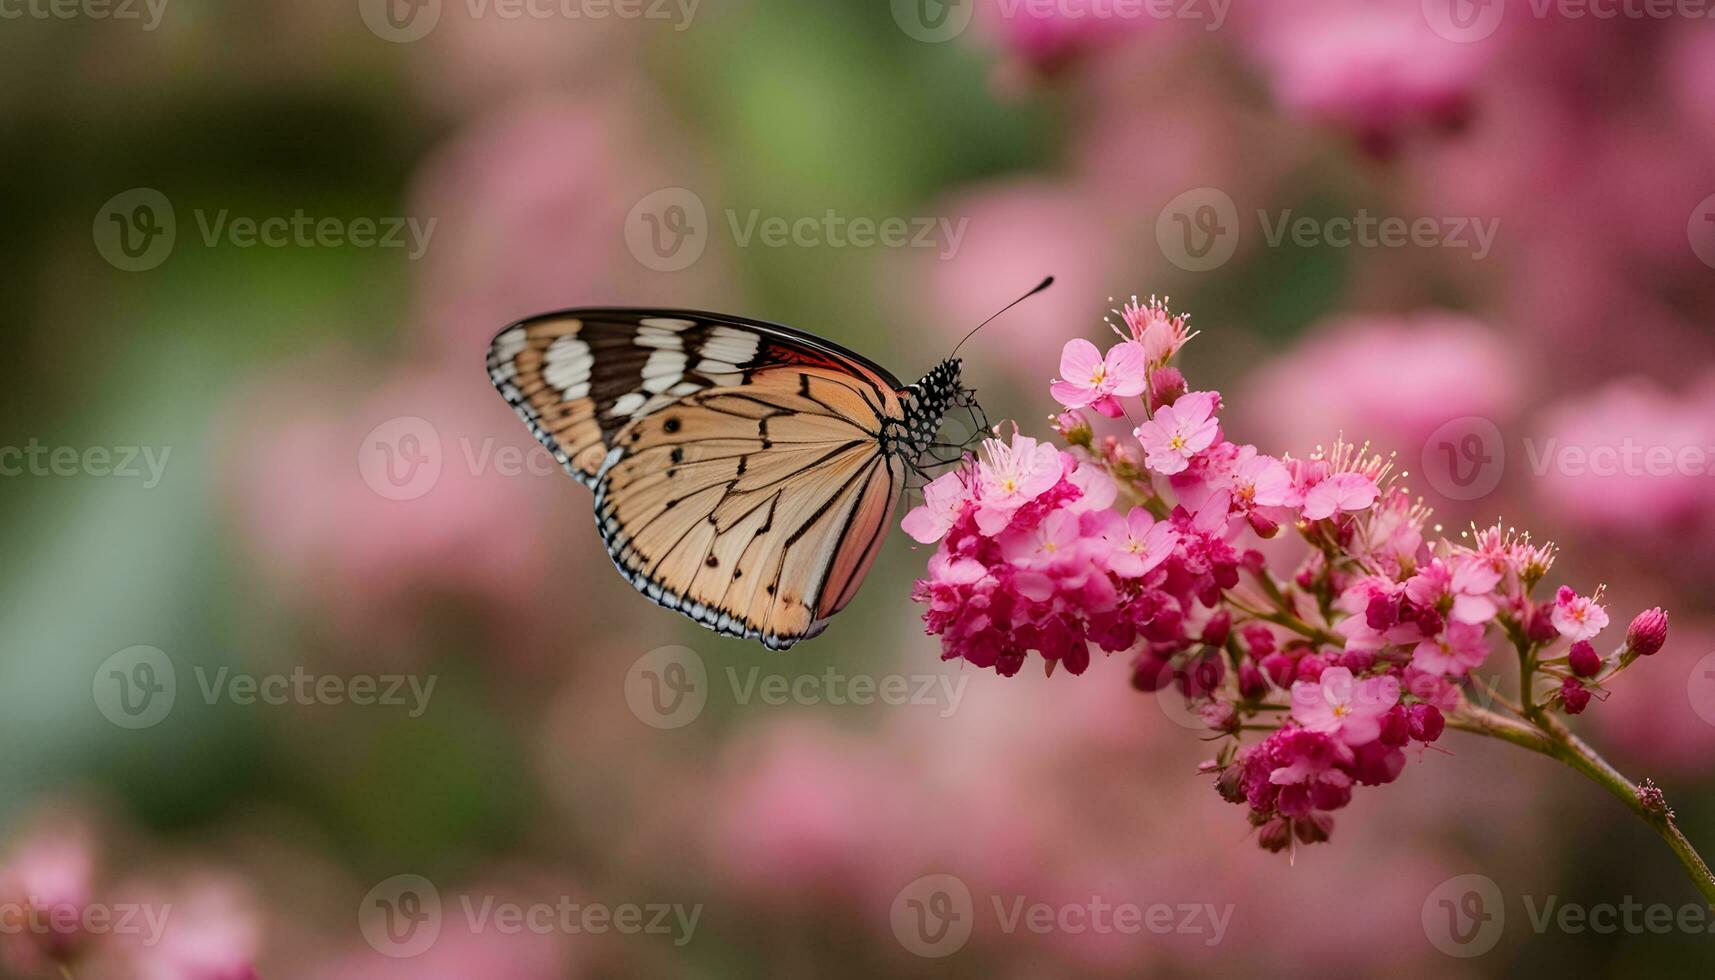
[(744, 472)]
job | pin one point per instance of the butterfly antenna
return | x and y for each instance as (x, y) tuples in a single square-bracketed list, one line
[(1044, 284)]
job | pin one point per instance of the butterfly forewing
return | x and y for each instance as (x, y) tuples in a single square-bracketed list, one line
[(740, 470)]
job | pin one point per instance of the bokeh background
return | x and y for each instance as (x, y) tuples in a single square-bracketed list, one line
[(340, 496)]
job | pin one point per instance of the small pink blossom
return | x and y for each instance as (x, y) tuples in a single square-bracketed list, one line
[(1011, 476), (1099, 382), (1340, 492), (1179, 432), (1139, 544), (1578, 617), (943, 502), (1459, 648), (1157, 329), (1340, 706)]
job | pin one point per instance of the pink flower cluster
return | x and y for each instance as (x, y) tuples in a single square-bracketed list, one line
[(1352, 659)]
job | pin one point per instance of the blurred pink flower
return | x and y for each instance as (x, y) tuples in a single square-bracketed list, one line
[(49, 877), (213, 932), (1393, 378), (1049, 37), (1629, 457), (1376, 69), (531, 206), (372, 502)]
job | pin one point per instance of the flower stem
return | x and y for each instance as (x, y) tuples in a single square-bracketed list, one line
[(1546, 735)]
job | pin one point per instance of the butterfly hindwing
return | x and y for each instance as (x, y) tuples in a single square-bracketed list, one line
[(739, 467)]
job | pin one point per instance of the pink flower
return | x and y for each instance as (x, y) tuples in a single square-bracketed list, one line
[(1259, 480), (1138, 544), (1460, 647), (1012, 476), (1577, 617), (1339, 706), (1340, 492), (1461, 590), (1099, 382), (943, 502), (1179, 432), (1056, 540), (1153, 326)]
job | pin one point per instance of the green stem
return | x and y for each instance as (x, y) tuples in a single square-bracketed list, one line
[(1548, 736)]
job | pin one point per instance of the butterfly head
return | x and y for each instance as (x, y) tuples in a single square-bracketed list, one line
[(926, 406)]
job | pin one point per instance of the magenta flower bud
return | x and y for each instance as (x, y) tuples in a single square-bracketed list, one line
[(1165, 386), (1150, 673), (1275, 835), (1648, 632), (1216, 629), (1201, 677), (1315, 829), (1252, 685), (1586, 662), (1310, 668), (1264, 527), (1279, 667), (1329, 796), (1382, 612), (1430, 622), (1425, 722), (1258, 639), (1395, 728), (1540, 628), (1231, 784), (1376, 764), (1574, 695), (1356, 661)]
